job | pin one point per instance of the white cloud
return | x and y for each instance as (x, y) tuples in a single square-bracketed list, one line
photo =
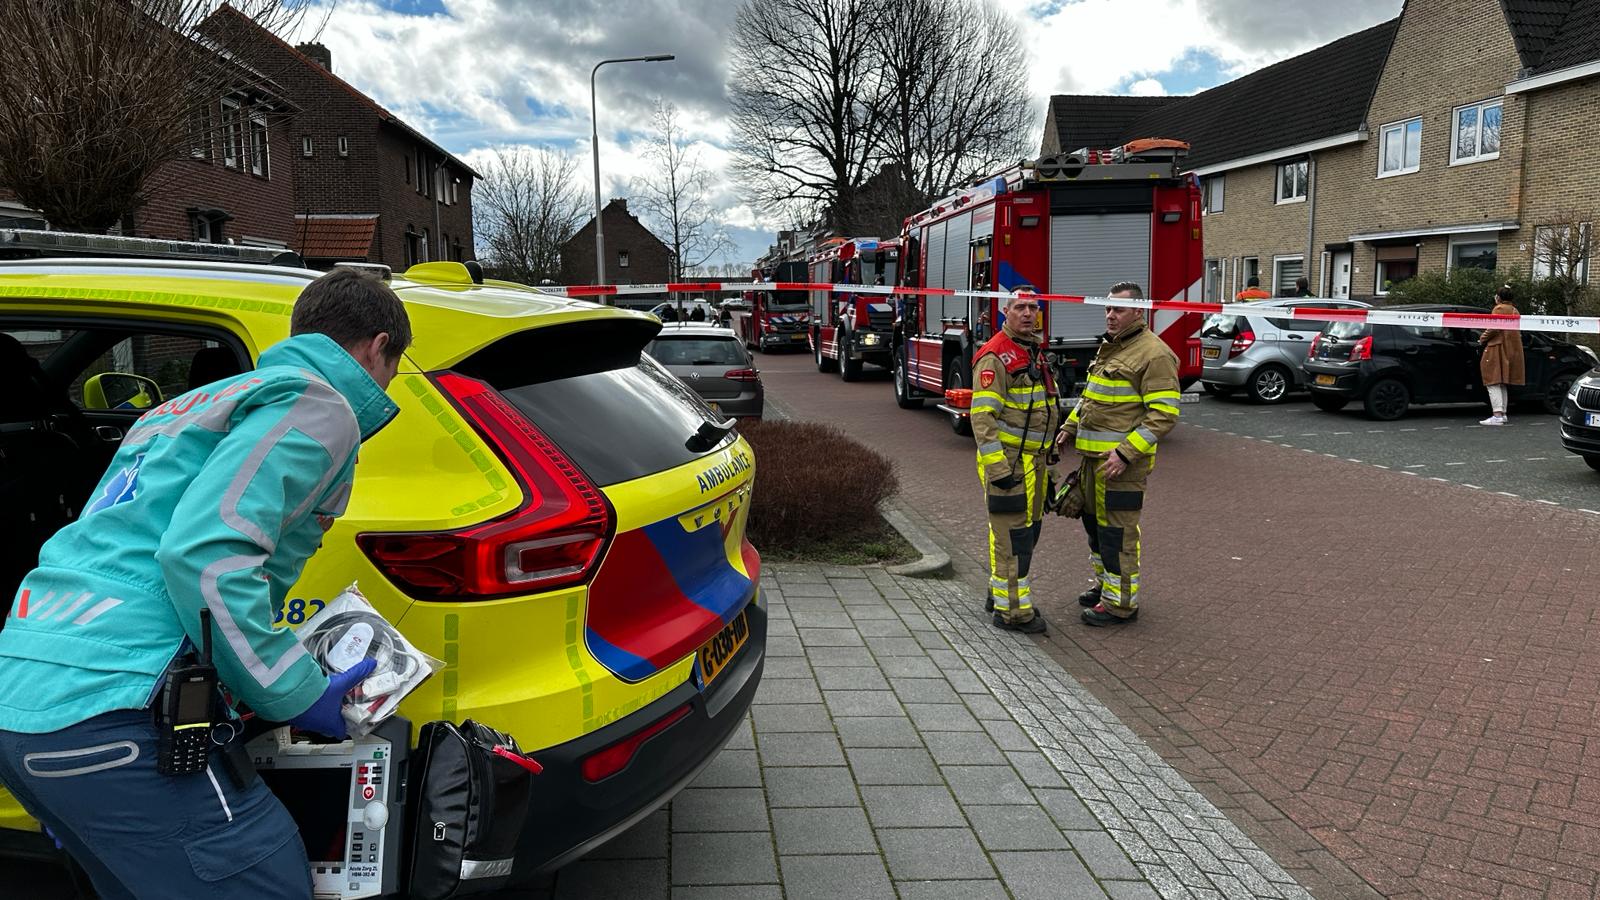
[(478, 73)]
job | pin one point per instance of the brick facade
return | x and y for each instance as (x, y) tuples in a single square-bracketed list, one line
[(258, 209), (1446, 54), (363, 159), (649, 260)]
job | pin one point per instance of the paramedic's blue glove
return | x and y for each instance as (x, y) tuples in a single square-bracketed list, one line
[(323, 717)]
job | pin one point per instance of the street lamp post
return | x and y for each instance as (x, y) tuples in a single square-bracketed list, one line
[(594, 140)]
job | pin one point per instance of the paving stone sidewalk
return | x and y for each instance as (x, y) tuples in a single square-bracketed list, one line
[(900, 746)]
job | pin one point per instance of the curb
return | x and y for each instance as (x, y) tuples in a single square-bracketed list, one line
[(935, 563)]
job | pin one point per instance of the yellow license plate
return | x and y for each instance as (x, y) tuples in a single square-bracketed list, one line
[(1325, 379), (717, 653), (1211, 352)]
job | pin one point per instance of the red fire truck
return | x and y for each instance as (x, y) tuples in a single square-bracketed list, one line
[(1070, 224), (769, 318), (848, 329)]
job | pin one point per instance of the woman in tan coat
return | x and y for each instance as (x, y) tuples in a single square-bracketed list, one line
[(1502, 359)]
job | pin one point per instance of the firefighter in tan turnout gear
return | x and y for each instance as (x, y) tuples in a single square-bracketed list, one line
[(1128, 406), (1014, 414)]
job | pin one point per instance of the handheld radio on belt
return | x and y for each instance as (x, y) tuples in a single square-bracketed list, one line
[(184, 711)]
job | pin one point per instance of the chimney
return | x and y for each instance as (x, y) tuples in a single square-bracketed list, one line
[(321, 55), (620, 203)]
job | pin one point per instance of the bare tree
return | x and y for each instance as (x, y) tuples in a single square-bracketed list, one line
[(528, 203), (1562, 255), (805, 96), (956, 92), (100, 96), (676, 196)]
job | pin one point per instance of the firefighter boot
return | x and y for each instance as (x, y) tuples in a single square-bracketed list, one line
[(1034, 625), (1091, 597), (1099, 616)]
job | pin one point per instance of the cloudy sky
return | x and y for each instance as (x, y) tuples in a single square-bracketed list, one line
[(475, 74)]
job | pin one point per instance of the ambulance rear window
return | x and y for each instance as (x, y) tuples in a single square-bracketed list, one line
[(615, 411)]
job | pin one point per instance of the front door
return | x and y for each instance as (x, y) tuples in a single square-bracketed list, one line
[(1340, 289)]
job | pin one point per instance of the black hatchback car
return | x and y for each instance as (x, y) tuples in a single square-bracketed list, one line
[(1390, 367)]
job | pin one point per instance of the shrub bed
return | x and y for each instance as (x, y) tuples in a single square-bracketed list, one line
[(817, 493)]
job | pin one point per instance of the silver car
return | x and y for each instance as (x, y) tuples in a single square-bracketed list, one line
[(1249, 349), (712, 362)]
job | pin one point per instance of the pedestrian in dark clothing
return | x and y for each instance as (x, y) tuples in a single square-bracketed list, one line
[(1302, 287)]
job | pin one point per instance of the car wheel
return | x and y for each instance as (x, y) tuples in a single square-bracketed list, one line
[(1555, 393), (902, 384), (1329, 404), (1387, 400), (957, 377), (1593, 461), (1269, 384), (849, 363)]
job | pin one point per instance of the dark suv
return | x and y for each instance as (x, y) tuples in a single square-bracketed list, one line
[(1390, 367)]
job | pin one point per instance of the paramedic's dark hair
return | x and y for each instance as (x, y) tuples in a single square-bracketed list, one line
[(1128, 287), (350, 307)]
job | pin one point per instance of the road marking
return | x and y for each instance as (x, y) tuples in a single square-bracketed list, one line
[(1331, 455), (1441, 428), (1455, 464), (1307, 450), (1344, 432), (1374, 431), (1408, 473), (1271, 436), (1376, 466), (1347, 459), (1589, 511), (1309, 434), (1537, 458), (1417, 466), (1506, 494), (1494, 460), (1473, 486), (1408, 429), (1547, 502)]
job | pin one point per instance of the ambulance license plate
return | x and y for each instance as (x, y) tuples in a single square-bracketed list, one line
[(1211, 352), (1326, 379), (717, 653)]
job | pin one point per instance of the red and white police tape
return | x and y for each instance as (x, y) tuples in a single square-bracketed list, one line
[(1375, 316)]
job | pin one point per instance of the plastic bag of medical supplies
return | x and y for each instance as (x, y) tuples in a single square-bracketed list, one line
[(349, 630)]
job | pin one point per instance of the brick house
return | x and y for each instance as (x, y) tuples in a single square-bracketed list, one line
[(634, 255), (236, 185), (1398, 149)]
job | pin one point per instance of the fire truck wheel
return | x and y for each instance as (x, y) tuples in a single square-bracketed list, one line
[(957, 376), (849, 363), (902, 384), (824, 364)]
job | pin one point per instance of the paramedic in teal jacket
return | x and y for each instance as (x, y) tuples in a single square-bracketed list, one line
[(214, 501)]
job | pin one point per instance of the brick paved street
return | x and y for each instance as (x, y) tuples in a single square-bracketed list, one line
[(1389, 682)]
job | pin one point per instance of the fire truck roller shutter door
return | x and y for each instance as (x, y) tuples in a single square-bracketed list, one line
[(934, 276), (957, 266), (1088, 254)]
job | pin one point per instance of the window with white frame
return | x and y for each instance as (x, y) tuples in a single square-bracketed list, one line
[(1477, 132), (1292, 179), (1562, 250), (622, 259), (1212, 191), (1400, 147), (1252, 269), (1286, 270), (306, 146), (344, 145), (258, 147), (1213, 281), (232, 134)]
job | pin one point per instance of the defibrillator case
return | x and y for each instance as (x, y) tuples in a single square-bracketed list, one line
[(471, 788)]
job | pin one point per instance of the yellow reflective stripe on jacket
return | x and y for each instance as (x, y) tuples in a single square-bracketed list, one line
[(1142, 439), (1154, 396), (1099, 441), (985, 401)]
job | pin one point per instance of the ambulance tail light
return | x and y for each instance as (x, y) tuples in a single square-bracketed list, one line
[(1241, 342), (1362, 349), (555, 539)]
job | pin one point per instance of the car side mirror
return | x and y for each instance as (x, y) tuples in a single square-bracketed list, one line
[(119, 390)]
